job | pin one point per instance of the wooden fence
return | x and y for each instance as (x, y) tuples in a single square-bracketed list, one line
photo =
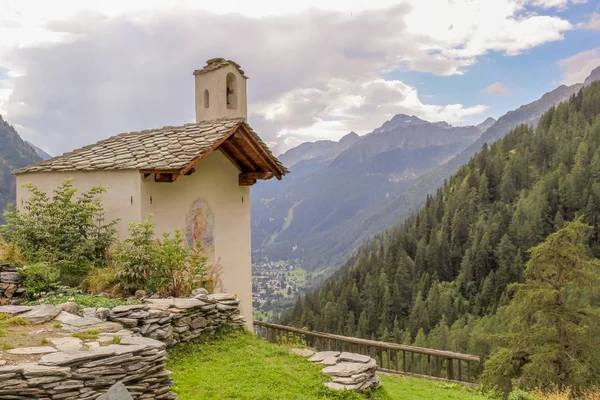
[(391, 357)]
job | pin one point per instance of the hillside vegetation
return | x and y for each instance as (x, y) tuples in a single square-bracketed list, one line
[(440, 279)]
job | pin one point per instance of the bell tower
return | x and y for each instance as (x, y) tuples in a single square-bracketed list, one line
[(220, 90)]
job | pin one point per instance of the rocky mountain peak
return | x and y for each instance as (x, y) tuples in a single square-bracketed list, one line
[(349, 138), (486, 124), (400, 121), (594, 76)]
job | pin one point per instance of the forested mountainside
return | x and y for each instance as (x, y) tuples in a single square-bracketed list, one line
[(394, 208), (333, 182), (14, 153), (441, 275), (323, 211)]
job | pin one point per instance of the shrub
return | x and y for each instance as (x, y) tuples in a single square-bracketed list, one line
[(10, 253), (64, 231), (40, 278), (176, 269), (165, 266), (102, 280), (134, 256), (211, 280)]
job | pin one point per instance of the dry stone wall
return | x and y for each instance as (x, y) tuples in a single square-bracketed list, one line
[(12, 290), (67, 368), (137, 362)]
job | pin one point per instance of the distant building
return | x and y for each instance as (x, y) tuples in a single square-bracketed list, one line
[(195, 177)]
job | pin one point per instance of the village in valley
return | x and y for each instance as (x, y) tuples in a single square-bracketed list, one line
[(275, 284)]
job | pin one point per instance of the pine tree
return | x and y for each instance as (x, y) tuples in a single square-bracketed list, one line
[(554, 334)]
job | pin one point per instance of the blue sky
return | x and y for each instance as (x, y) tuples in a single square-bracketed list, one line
[(527, 76)]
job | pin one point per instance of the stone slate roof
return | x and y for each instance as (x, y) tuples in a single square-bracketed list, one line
[(167, 148), (216, 63)]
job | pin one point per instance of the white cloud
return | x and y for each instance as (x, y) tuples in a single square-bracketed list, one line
[(579, 66), (556, 3), (593, 23), (360, 105), (497, 89), (81, 71)]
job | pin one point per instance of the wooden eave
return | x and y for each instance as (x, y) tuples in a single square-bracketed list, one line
[(244, 151)]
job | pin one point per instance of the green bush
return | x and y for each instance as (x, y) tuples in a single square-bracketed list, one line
[(64, 294), (40, 278), (518, 394), (63, 231), (134, 256), (177, 268), (165, 266)]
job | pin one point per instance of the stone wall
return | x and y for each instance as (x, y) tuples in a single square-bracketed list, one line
[(67, 368), (175, 320), (12, 290), (137, 362)]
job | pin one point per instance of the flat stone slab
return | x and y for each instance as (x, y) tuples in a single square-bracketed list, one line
[(138, 340), (34, 369), (75, 320), (352, 380), (182, 304), (32, 350), (41, 314), (221, 296), (67, 344), (339, 386), (62, 358), (353, 357), (118, 391), (72, 322), (330, 361), (14, 309), (303, 352), (349, 369), (133, 307), (323, 355)]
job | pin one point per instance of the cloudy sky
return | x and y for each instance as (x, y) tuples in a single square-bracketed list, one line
[(74, 71)]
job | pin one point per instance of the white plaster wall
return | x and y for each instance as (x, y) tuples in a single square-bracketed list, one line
[(216, 182), (122, 186), (215, 82)]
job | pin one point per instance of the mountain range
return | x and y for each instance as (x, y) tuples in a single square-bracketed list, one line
[(341, 193), (334, 182), (442, 277), (14, 153)]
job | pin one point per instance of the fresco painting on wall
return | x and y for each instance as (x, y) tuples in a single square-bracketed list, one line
[(200, 227)]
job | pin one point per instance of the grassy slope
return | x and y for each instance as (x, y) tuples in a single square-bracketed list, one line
[(239, 366)]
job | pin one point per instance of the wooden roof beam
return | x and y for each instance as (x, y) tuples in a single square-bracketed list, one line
[(243, 160), (257, 148), (249, 178)]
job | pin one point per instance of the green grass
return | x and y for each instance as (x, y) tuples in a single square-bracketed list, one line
[(242, 367), (239, 366), (91, 334), (405, 388)]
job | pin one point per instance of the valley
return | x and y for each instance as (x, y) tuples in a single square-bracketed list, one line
[(355, 188)]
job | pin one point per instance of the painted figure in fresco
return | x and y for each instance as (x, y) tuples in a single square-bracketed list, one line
[(201, 226)]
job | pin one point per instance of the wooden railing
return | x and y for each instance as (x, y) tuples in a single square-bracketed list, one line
[(391, 357)]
